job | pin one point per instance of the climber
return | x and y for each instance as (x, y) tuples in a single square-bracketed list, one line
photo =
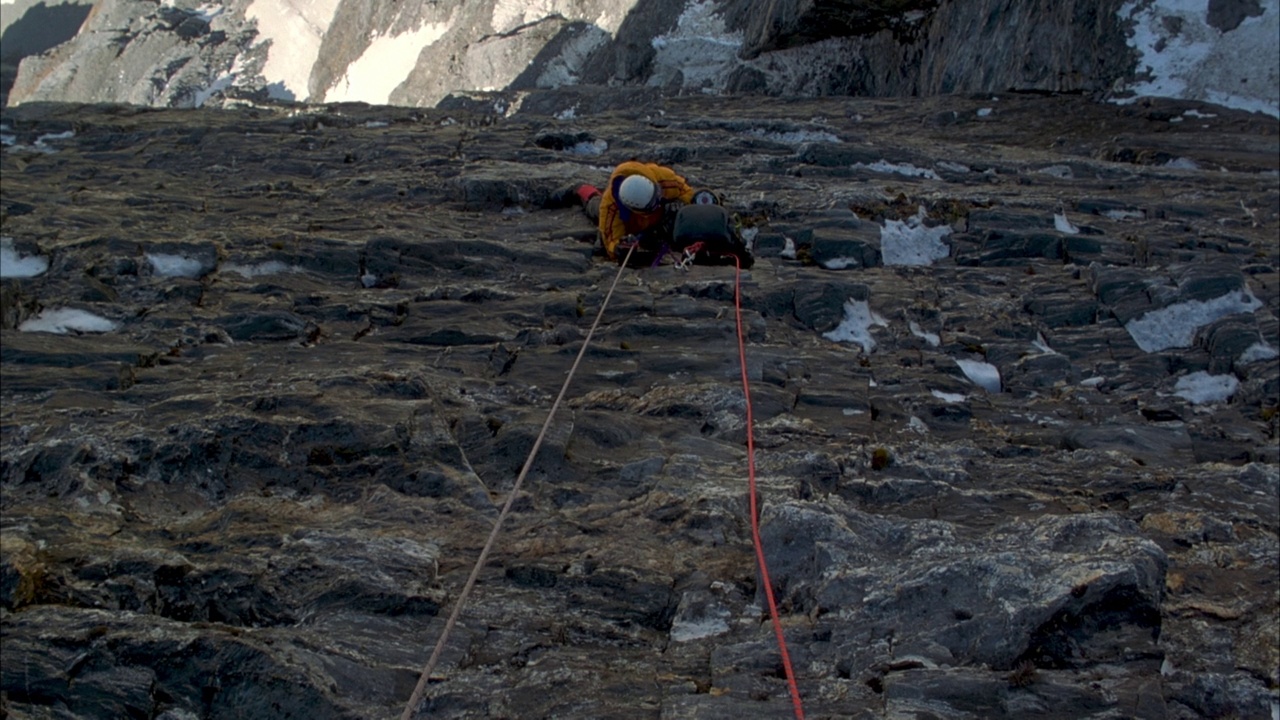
[(637, 205)]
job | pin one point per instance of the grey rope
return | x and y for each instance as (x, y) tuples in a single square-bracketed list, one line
[(506, 508)]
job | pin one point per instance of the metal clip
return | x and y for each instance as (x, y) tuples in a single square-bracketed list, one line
[(689, 253)]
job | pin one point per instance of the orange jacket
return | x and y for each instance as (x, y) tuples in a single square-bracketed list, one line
[(618, 221)]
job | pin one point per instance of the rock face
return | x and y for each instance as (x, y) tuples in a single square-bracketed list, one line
[(269, 373), (414, 54)]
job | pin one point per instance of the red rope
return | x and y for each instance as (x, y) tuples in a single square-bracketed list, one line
[(751, 485)]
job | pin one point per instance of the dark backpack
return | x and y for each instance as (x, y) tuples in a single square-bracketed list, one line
[(708, 231)]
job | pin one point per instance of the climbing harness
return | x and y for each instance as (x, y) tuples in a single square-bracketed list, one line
[(689, 253)]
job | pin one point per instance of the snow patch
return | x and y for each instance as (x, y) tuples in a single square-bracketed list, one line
[(385, 64), (567, 114), (952, 167), (1175, 326), (294, 31), (931, 338), (49, 137), (1125, 214), (715, 622), (840, 263), (1258, 351), (271, 267), (1043, 345), (1063, 225), (566, 67), (1062, 172), (175, 265), (949, 397), (788, 249), (795, 137), (984, 375), (588, 147), (856, 327), (65, 320), (1181, 163), (1182, 56), (15, 265), (884, 166), (41, 144), (910, 242), (984, 112), (1201, 388), (699, 50), (218, 85)]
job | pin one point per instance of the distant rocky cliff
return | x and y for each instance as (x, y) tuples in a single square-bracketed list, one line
[(178, 54)]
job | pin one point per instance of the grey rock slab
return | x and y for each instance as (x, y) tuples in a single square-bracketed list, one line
[(820, 562), (326, 480)]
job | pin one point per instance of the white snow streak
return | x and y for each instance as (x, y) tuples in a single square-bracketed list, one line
[(1201, 388), (1175, 326), (1187, 58), (295, 29), (1063, 225), (984, 375), (175, 265), (385, 64), (910, 242), (700, 49), (65, 320), (14, 265), (856, 327)]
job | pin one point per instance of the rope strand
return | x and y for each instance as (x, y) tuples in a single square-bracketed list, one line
[(796, 704), (416, 697)]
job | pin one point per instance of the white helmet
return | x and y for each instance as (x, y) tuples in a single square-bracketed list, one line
[(638, 193)]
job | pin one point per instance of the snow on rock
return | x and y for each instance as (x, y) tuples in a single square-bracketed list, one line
[(588, 147), (795, 137), (1042, 345), (385, 64), (911, 242), (1124, 214), (856, 327), (884, 166), (984, 375), (1183, 56), (295, 29), (15, 265), (66, 320), (1201, 388), (699, 50), (1175, 326), (931, 338), (271, 267), (166, 265), (948, 397), (1063, 225), (1257, 352)]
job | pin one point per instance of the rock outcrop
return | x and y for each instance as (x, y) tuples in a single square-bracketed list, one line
[(268, 374), (414, 54)]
